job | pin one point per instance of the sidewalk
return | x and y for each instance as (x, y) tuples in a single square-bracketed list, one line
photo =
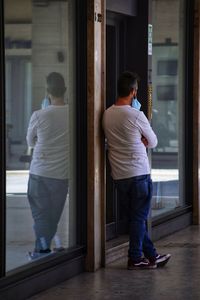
[(178, 280)]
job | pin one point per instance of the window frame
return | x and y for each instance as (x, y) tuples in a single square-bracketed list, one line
[(71, 256)]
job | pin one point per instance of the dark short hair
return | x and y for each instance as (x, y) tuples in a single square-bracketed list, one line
[(127, 81), (56, 84)]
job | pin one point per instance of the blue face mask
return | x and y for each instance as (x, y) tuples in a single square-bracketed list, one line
[(45, 102), (136, 104)]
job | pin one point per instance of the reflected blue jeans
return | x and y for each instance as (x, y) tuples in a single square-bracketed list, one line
[(136, 196), (47, 198)]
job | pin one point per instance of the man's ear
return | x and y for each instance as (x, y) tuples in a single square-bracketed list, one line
[(135, 93), (132, 93)]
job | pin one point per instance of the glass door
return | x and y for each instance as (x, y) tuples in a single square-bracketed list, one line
[(168, 65)]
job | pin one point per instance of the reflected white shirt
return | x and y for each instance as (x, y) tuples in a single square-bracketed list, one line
[(48, 134), (124, 126)]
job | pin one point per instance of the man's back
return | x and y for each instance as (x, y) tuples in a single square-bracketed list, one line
[(48, 133), (124, 127)]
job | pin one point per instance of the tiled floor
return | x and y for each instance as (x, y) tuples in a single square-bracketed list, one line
[(178, 280)]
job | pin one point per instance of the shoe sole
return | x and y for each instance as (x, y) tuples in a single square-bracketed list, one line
[(163, 263), (142, 268), (30, 258)]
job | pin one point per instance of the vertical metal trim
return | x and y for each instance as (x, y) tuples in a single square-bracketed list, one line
[(149, 97), (103, 158), (3, 144), (149, 78), (81, 115), (189, 103)]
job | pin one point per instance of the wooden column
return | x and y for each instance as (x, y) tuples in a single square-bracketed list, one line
[(95, 96), (196, 116)]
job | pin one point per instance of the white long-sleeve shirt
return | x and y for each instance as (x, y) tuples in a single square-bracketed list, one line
[(48, 135), (124, 127)]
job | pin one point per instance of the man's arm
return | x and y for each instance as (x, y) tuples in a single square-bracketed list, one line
[(144, 140), (149, 137), (31, 136)]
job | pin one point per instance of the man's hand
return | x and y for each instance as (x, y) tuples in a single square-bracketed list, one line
[(144, 141)]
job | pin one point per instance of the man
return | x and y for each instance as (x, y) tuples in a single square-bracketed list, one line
[(48, 180), (128, 133)]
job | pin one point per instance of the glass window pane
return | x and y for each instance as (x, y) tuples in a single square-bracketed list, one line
[(166, 92), (167, 67), (168, 105), (40, 63)]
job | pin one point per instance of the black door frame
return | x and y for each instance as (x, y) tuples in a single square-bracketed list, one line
[(115, 29)]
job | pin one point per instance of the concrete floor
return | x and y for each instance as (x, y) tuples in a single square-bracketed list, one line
[(178, 280)]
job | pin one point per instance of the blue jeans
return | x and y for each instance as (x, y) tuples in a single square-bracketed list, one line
[(136, 196), (47, 197)]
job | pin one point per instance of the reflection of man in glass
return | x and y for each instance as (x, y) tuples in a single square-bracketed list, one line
[(48, 180)]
